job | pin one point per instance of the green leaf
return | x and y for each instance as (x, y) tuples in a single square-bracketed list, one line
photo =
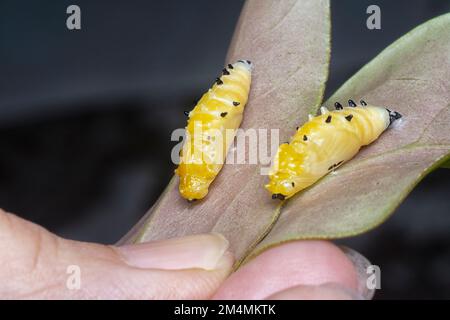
[(446, 165), (412, 77), (289, 44)]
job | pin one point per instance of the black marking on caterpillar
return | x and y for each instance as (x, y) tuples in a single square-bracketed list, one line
[(278, 196), (393, 115), (335, 165)]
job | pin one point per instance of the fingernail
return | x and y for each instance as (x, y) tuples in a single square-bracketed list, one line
[(205, 251), (326, 291), (361, 265)]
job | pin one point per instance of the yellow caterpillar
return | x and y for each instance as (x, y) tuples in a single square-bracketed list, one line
[(217, 112), (324, 143)]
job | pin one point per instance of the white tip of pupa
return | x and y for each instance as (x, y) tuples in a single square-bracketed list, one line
[(247, 63), (323, 110), (310, 117)]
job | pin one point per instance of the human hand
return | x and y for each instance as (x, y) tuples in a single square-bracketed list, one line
[(34, 265)]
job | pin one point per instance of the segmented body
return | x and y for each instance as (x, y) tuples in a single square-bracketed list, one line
[(217, 113), (324, 143)]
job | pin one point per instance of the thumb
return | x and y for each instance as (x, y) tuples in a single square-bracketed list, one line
[(38, 264)]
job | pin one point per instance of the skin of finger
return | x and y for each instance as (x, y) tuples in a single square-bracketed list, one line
[(35, 266), (322, 292), (288, 265)]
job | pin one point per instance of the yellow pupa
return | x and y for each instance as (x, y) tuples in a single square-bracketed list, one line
[(324, 143), (207, 141)]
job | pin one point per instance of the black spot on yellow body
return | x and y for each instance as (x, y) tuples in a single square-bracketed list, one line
[(328, 120), (338, 106), (305, 138), (335, 165), (351, 103), (235, 103), (349, 117), (278, 196), (223, 114)]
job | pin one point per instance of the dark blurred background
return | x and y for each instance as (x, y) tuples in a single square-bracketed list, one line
[(86, 118)]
